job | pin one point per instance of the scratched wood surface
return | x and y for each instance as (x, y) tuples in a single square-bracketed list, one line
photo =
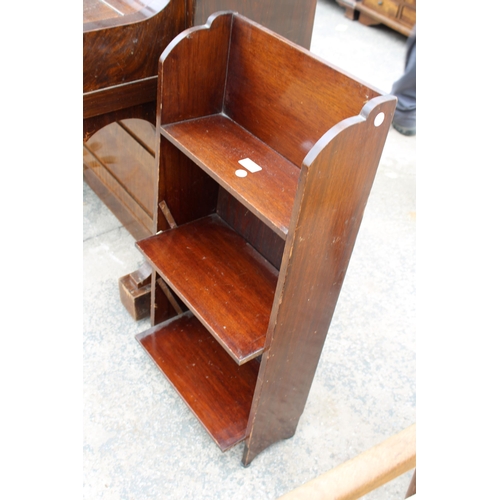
[(217, 390), (223, 280), (217, 144)]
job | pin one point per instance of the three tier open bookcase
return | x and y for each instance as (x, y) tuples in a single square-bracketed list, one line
[(265, 159)]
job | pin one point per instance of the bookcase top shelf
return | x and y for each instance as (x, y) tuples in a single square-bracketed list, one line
[(227, 284), (217, 144)]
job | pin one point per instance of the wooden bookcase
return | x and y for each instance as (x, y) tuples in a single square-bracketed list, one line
[(248, 265)]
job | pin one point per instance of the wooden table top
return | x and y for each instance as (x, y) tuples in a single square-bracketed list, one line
[(99, 10)]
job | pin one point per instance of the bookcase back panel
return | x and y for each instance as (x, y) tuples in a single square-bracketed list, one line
[(287, 99), (187, 190), (245, 223)]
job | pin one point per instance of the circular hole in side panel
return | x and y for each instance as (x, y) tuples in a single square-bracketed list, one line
[(241, 173), (379, 119)]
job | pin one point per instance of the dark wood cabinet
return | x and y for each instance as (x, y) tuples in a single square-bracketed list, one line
[(400, 15), (265, 158)]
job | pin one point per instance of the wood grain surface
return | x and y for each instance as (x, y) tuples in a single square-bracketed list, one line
[(223, 280), (217, 390)]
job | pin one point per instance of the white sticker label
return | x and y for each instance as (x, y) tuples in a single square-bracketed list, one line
[(250, 165), (241, 173)]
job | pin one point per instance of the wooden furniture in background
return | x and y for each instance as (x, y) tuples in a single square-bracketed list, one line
[(249, 258), (122, 43), (400, 15), (366, 472)]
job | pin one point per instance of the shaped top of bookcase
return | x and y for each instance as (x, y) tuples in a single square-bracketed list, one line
[(276, 90)]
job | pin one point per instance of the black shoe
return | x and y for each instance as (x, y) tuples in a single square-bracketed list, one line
[(405, 130)]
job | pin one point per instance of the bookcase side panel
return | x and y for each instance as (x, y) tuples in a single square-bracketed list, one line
[(192, 72), (333, 193)]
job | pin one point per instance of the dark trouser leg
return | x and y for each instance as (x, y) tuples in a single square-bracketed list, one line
[(405, 89)]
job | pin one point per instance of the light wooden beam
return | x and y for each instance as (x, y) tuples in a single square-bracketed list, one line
[(364, 473)]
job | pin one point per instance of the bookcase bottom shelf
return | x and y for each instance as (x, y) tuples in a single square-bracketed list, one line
[(215, 388)]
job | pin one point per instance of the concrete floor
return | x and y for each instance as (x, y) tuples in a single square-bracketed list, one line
[(141, 441)]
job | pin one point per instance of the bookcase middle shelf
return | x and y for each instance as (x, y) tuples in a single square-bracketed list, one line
[(227, 284)]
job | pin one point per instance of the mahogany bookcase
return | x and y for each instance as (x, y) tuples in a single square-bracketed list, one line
[(265, 159)]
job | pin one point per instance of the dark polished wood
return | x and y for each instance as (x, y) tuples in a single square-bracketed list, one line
[(221, 278), (218, 141), (217, 390), (119, 50), (231, 90), (120, 57), (253, 230), (114, 99), (293, 109), (335, 182), (135, 291)]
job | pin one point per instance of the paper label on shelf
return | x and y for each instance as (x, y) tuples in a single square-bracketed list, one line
[(250, 165)]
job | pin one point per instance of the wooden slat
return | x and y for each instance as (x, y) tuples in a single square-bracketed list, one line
[(128, 162), (216, 144), (142, 131), (134, 218), (223, 280), (119, 97), (364, 473), (217, 391)]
